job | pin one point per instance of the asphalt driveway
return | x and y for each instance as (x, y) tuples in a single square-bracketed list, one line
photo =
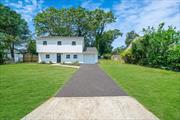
[(90, 81), (91, 94)]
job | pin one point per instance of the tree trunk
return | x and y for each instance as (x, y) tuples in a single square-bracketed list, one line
[(79, 32), (12, 52)]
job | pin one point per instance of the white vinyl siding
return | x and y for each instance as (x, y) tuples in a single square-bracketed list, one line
[(90, 58), (65, 47), (72, 59), (52, 57), (81, 58), (70, 48)]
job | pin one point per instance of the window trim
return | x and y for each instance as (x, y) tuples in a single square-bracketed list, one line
[(75, 57), (73, 43), (67, 56), (47, 56), (59, 42), (44, 42)]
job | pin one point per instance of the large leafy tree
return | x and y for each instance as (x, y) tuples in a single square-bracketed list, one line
[(105, 41), (130, 36), (13, 28), (78, 22)]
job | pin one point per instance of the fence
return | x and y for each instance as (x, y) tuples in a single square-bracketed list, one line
[(30, 58)]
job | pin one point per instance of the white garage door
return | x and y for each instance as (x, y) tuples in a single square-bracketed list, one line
[(90, 58)]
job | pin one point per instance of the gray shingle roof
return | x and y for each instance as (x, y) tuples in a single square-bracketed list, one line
[(90, 50)]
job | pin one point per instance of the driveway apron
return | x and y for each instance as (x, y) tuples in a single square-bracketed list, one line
[(90, 81)]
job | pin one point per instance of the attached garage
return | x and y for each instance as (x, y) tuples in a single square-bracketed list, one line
[(90, 56)]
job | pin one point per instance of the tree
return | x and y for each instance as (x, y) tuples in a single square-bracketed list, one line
[(31, 47), (158, 48), (13, 27), (3, 47), (130, 36), (77, 22), (118, 50), (105, 41)]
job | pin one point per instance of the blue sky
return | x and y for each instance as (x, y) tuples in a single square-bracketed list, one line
[(130, 14)]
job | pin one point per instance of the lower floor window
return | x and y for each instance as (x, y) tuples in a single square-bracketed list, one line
[(75, 56), (68, 56), (47, 56)]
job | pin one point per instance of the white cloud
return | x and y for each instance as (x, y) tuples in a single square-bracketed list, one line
[(135, 15), (28, 9), (90, 5)]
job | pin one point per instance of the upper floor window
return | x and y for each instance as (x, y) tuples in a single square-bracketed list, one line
[(47, 56), (44, 42), (73, 42), (59, 42), (67, 56), (75, 56)]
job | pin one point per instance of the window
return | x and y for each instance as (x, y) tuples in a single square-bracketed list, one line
[(44, 42), (73, 42), (47, 56), (68, 56), (59, 42), (75, 56)]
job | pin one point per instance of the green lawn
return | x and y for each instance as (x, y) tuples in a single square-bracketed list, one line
[(158, 90), (23, 87)]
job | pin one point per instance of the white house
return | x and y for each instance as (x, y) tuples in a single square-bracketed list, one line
[(18, 56), (57, 49)]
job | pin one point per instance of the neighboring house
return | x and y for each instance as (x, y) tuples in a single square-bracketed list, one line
[(57, 49), (116, 57), (18, 56)]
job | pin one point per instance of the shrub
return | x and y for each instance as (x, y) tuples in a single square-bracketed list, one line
[(43, 62), (127, 56), (173, 58), (156, 48), (107, 56), (50, 62), (19, 61), (76, 63)]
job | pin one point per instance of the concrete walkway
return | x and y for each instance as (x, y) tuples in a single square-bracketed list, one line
[(90, 81), (91, 108), (70, 66), (91, 94)]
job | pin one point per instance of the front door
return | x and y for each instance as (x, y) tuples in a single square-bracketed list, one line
[(58, 57)]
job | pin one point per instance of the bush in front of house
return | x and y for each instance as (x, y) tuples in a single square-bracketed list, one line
[(76, 63), (42, 62), (50, 62)]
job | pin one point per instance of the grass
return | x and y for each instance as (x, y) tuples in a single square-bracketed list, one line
[(158, 90), (23, 87)]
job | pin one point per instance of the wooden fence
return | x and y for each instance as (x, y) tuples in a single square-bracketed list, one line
[(30, 58)]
